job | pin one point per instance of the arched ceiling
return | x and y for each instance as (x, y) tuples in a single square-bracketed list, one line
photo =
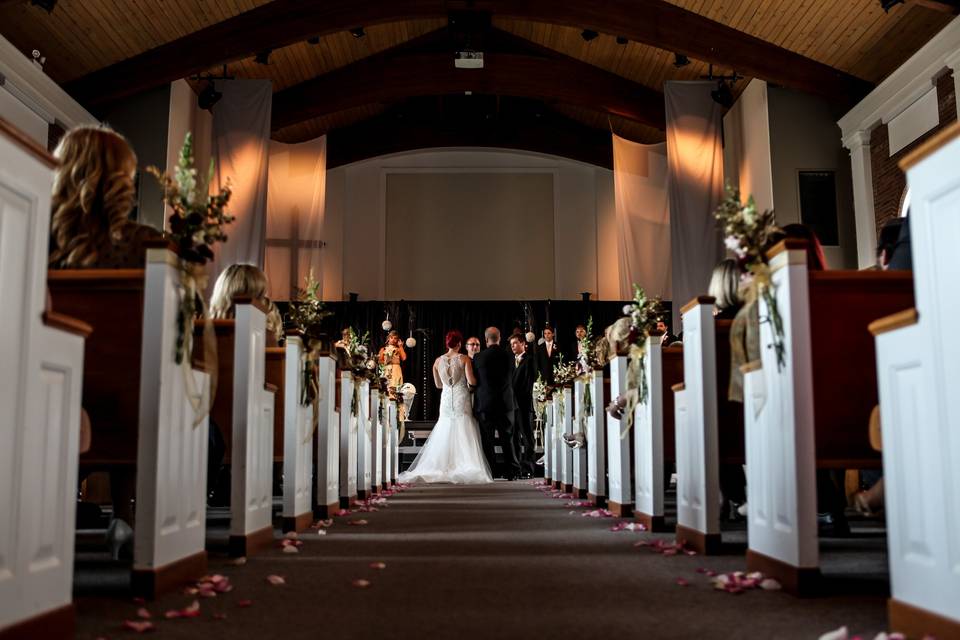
[(102, 50)]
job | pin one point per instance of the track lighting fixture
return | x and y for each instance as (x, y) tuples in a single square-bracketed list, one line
[(722, 94), (588, 35), (208, 97), (621, 40), (358, 32), (263, 57), (313, 40), (46, 5), (680, 60), (886, 5)]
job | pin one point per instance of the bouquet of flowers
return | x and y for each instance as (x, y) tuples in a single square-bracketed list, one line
[(747, 233), (540, 394), (642, 316), (564, 373), (308, 312), (196, 225)]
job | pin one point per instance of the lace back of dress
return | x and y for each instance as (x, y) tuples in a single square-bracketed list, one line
[(451, 371)]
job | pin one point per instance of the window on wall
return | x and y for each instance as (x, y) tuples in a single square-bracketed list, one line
[(818, 204)]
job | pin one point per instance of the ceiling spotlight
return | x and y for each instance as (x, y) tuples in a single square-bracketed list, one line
[(263, 57), (208, 97), (886, 5), (313, 40), (621, 40), (722, 94), (588, 35), (358, 32), (46, 5), (680, 60)]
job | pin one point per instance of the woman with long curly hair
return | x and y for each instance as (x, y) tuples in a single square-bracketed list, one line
[(93, 195)]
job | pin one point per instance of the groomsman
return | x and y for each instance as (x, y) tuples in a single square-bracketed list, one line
[(522, 381), (548, 355)]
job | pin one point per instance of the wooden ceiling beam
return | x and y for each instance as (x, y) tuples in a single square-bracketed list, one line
[(385, 79), (283, 22)]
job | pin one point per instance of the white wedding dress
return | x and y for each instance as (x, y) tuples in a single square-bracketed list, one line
[(452, 453)]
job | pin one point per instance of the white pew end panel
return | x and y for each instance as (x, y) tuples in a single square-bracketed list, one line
[(298, 435), (620, 497), (328, 440)]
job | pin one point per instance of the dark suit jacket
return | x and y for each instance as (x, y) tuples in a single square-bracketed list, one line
[(493, 368), (545, 364), (522, 381)]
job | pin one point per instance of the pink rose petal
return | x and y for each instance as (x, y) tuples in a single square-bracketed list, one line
[(243, 604), (139, 627), (357, 523), (290, 549), (378, 565), (837, 634), (683, 582), (769, 584), (291, 535), (360, 583), (219, 616), (143, 613), (239, 561), (276, 580)]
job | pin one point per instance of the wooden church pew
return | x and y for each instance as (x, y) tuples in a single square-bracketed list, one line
[(653, 438), (583, 412), (378, 401), (596, 440), (563, 424), (243, 409), (349, 421), (328, 439), (550, 470), (140, 411), (712, 429), (40, 392), (619, 469), (295, 432), (918, 364), (364, 460), (812, 413)]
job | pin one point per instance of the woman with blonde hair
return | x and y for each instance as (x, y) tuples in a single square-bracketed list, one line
[(93, 195), (244, 280)]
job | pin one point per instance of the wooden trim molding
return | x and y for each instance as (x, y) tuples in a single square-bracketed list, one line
[(326, 511), (929, 147), (55, 624), (899, 320), (27, 143), (798, 581), (680, 386), (66, 323), (915, 622), (297, 523), (703, 543), (654, 524), (787, 244), (597, 501), (698, 301), (153, 582), (251, 543), (620, 510), (753, 365)]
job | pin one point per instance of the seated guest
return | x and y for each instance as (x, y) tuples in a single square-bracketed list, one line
[(274, 324), (244, 280), (887, 241), (93, 195), (724, 288), (902, 255)]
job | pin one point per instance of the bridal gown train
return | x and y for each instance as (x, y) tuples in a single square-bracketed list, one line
[(452, 452)]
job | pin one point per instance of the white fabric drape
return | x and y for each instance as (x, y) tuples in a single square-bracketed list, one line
[(241, 145), (296, 196), (643, 217), (695, 183)]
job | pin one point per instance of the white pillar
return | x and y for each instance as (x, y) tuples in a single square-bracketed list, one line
[(858, 143)]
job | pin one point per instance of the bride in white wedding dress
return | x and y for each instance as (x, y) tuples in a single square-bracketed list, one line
[(452, 452)]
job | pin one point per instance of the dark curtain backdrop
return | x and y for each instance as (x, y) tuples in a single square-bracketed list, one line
[(431, 321)]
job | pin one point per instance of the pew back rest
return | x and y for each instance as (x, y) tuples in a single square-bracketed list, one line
[(730, 432), (274, 375), (671, 359), (221, 409), (111, 300), (842, 305)]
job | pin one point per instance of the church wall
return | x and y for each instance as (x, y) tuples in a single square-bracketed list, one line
[(583, 213)]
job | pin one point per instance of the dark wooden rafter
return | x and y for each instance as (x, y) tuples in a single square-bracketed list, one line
[(951, 7), (283, 22), (388, 78)]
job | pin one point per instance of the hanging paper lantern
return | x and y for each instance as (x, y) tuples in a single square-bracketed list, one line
[(411, 342), (387, 325), (530, 336)]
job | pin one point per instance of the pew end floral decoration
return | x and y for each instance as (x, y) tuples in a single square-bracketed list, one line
[(628, 336), (748, 232), (360, 363), (307, 313), (540, 398), (196, 224), (564, 373)]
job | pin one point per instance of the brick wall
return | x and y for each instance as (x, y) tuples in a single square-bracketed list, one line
[(889, 181)]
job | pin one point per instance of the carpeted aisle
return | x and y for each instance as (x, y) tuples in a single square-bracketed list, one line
[(495, 561)]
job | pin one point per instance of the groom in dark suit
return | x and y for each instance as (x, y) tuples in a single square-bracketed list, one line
[(524, 371), (493, 368)]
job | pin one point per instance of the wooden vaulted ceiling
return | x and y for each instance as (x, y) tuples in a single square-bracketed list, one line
[(102, 50)]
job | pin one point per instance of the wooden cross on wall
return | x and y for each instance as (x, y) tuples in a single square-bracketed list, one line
[(295, 244)]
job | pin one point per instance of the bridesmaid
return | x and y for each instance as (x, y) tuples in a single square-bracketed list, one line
[(391, 355)]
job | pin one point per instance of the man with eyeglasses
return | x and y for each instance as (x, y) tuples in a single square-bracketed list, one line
[(473, 346)]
